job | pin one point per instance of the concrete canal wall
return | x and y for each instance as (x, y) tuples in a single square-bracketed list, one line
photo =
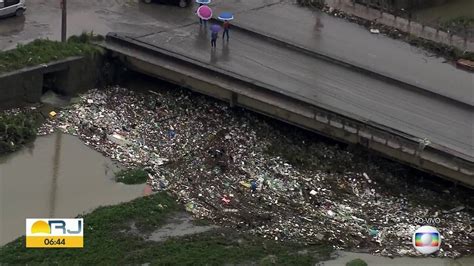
[(69, 77)]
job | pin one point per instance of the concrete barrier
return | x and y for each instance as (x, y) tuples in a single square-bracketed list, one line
[(72, 75), (387, 19)]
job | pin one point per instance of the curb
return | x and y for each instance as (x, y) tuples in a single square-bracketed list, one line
[(345, 63)]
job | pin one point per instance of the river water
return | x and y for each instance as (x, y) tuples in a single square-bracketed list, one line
[(58, 176)]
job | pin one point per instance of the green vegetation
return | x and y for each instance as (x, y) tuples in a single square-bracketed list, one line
[(449, 52), (45, 51), (312, 3), (458, 25), (17, 130), (110, 240), (132, 176), (356, 262)]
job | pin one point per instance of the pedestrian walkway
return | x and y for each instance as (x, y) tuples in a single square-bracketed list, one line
[(412, 27)]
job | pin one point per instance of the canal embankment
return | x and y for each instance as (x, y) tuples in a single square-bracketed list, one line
[(29, 71)]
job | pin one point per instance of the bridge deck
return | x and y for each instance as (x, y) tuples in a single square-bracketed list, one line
[(330, 86), (316, 93)]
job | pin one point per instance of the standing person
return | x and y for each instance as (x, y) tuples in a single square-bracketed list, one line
[(226, 30), (200, 19), (214, 36)]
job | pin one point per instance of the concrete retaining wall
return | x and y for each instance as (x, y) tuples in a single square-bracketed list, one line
[(73, 75)]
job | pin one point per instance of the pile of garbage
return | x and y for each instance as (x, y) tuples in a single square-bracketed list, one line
[(216, 160)]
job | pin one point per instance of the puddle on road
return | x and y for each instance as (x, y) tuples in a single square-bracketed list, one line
[(58, 176), (179, 225), (344, 257)]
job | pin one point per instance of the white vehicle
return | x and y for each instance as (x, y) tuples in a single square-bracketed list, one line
[(12, 8)]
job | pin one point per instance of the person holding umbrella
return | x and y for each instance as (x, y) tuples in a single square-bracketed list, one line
[(201, 20), (226, 29), (226, 17), (201, 3), (214, 34)]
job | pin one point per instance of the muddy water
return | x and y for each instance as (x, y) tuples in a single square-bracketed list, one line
[(452, 9), (58, 176), (344, 257), (179, 225)]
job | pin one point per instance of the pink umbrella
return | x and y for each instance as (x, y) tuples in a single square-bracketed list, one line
[(204, 12)]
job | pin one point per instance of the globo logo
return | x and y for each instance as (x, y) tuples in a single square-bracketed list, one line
[(426, 240)]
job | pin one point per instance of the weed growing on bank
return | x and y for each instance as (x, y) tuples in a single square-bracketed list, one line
[(45, 51), (460, 25), (132, 176), (17, 129)]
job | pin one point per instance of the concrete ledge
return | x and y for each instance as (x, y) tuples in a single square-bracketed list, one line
[(73, 75), (349, 64)]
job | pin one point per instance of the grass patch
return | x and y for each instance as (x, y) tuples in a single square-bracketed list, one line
[(221, 247), (132, 176), (103, 242), (16, 130), (109, 241), (449, 52), (458, 25), (45, 51)]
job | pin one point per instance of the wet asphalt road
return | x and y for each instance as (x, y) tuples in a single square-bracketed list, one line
[(327, 85), (43, 18)]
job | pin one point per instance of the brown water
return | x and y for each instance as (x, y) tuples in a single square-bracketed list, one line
[(60, 177), (179, 225)]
